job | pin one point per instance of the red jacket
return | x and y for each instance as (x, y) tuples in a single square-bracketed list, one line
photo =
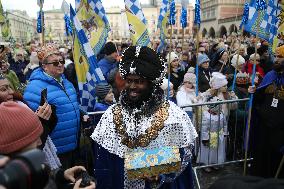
[(248, 67)]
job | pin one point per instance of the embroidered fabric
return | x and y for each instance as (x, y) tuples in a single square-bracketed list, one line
[(178, 131), (50, 154)]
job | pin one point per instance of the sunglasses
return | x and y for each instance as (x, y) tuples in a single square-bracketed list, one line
[(56, 63)]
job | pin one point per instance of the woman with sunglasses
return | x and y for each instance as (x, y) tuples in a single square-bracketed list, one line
[(62, 94)]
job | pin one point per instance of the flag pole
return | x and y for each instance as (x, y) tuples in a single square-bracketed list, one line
[(172, 22), (260, 6), (42, 23)]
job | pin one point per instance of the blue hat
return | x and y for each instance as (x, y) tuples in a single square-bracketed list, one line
[(202, 58)]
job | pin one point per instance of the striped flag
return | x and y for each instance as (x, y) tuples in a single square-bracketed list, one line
[(87, 70), (93, 18), (68, 26), (163, 21), (137, 23), (266, 19)]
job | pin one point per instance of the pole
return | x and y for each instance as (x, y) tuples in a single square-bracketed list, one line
[(169, 62), (42, 24), (250, 102)]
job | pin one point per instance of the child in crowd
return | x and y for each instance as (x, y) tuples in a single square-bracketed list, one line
[(214, 121), (186, 93), (105, 99)]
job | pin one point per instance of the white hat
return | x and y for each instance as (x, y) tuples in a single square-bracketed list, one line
[(253, 55), (164, 85), (172, 56), (235, 58), (218, 80), (191, 70), (190, 77)]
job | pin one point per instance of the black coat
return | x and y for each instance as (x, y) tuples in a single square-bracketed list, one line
[(203, 79)]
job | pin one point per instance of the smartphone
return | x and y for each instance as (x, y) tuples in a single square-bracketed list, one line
[(43, 96)]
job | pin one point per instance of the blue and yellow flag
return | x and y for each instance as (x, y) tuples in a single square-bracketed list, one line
[(87, 71), (137, 23), (163, 22), (92, 16)]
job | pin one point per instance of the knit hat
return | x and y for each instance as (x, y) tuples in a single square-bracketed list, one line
[(102, 89), (172, 56), (46, 51), (190, 77), (202, 58), (280, 50), (142, 61), (251, 57), (242, 79), (19, 127), (218, 80), (235, 58), (109, 48), (191, 70), (164, 85)]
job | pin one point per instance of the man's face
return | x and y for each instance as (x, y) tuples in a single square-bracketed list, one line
[(6, 93), (3, 66), (54, 65), (137, 88), (278, 65)]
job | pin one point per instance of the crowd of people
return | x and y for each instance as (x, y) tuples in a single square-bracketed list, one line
[(147, 101)]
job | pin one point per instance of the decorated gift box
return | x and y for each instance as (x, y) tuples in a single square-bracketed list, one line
[(142, 164)]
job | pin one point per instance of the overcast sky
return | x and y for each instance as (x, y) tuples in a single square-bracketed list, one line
[(31, 5), (32, 8)]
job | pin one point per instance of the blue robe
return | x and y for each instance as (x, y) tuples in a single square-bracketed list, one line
[(109, 171)]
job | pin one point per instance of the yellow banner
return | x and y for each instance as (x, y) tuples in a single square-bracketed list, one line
[(138, 30), (80, 61)]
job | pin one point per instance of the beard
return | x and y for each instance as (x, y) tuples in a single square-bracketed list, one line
[(147, 101)]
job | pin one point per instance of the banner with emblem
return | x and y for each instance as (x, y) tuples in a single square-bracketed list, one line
[(92, 16), (163, 21), (87, 71), (278, 40), (137, 23)]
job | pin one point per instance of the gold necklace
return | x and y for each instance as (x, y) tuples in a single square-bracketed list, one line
[(143, 140)]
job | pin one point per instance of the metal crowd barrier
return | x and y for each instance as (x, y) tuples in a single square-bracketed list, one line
[(221, 135), (225, 133)]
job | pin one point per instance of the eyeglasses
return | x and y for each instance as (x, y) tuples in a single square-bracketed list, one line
[(56, 63)]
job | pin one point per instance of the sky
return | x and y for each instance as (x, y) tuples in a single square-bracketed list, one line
[(32, 8)]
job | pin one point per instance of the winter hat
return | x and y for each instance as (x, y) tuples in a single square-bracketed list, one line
[(190, 77), (19, 127), (242, 79), (46, 51), (172, 56), (202, 58), (164, 85), (191, 70), (235, 58), (251, 57), (109, 48), (218, 80), (142, 61), (102, 89)]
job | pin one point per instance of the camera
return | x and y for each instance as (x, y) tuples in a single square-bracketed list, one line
[(25, 171)]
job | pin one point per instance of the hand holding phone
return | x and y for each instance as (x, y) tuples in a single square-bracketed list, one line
[(43, 97)]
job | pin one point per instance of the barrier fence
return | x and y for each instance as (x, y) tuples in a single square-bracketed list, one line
[(221, 128)]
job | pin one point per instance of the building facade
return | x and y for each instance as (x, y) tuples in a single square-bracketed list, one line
[(21, 25), (151, 10), (220, 17), (54, 25)]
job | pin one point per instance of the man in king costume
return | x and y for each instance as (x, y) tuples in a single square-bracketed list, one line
[(267, 134), (143, 121)]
